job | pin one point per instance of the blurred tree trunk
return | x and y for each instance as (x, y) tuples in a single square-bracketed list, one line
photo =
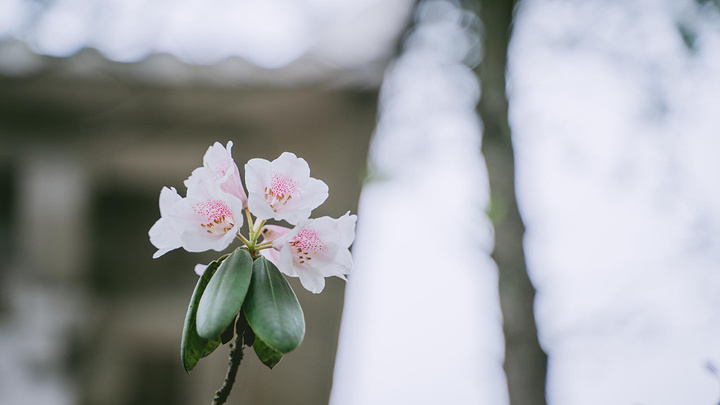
[(525, 362)]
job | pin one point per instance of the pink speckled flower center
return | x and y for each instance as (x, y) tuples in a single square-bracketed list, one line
[(217, 214), (282, 189), (305, 244)]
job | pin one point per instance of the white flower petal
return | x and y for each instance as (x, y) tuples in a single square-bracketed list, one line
[(255, 172), (340, 266), (347, 223), (165, 233), (259, 207), (198, 241), (168, 198), (314, 194), (294, 167), (312, 280), (164, 237), (285, 262)]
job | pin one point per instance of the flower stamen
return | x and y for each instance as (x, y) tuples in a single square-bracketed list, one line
[(216, 212), (281, 191), (305, 241)]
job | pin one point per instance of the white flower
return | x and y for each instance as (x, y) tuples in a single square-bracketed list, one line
[(317, 248), (208, 218), (283, 189), (224, 170), (212, 217)]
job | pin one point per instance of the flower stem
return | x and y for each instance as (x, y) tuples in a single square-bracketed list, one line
[(249, 221), (255, 233), (236, 355), (243, 239)]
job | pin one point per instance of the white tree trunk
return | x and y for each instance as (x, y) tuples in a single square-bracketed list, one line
[(614, 110), (422, 322)]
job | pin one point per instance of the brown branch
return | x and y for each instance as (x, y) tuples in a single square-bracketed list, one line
[(236, 355)]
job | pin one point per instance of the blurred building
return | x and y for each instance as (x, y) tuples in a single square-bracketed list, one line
[(96, 115)]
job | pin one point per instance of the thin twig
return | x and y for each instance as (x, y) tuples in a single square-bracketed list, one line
[(236, 355)]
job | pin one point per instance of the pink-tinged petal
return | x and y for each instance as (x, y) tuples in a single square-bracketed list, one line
[(271, 233), (218, 160), (272, 255)]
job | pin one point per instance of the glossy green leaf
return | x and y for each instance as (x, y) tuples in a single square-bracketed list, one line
[(193, 347), (269, 356), (272, 309), (210, 347), (224, 294)]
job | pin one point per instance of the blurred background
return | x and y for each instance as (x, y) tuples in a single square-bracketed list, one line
[(103, 103), (601, 115)]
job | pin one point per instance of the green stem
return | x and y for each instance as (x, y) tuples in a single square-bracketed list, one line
[(250, 242), (245, 241), (256, 230), (249, 221)]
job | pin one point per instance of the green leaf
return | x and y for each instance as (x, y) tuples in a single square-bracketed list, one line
[(272, 309), (193, 347), (269, 356), (210, 347), (224, 294)]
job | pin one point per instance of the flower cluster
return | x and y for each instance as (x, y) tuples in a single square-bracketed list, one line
[(211, 216)]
